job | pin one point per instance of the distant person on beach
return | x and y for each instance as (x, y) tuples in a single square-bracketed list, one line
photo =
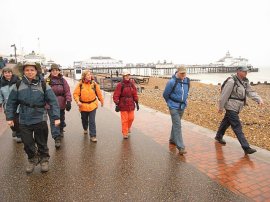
[(125, 98), (61, 89), (86, 95), (7, 82), (233, 98), (32, 94), (176, 94)]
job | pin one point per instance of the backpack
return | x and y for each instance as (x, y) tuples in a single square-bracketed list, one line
[(235, 83), (43, 85), (92, 88), (175, 84), (123, 86), (49, 82)]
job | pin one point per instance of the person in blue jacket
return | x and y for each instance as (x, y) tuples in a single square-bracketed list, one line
[(7, 82), (32, 94), (175, 95)]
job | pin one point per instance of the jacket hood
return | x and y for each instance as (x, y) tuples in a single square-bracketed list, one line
[(35, 81), (5, 82)]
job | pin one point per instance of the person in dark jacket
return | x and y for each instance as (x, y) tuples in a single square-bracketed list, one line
[(32, 94), (125, 97), (7, 82), (61, 89), (175, 95)]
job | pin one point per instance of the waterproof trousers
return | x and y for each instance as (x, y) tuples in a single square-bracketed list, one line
[(127, 118), (88, 119), (16, 127), (231, 118), (35, 138)]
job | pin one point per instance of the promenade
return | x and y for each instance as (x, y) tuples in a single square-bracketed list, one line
[(143, 168)]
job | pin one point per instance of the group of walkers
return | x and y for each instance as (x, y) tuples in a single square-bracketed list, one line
[(27, 102), (234, 92)]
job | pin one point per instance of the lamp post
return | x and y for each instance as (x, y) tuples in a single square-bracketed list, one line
[(15, 52)]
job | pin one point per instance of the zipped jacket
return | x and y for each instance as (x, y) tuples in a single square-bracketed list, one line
[(177, 98), (87, 93), (61, 89), (125, 95), (234, 93), (5, 89), (32, 102)]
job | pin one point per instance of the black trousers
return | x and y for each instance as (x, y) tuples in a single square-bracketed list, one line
[(231, 118), (35, 138), (16, 127)]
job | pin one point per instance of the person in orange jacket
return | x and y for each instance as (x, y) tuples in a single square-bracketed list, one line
[(85, 95)]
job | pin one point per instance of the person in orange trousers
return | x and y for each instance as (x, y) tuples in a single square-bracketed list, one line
[(125, 98), (86, 95)]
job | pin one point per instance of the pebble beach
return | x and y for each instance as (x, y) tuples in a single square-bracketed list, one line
[(203, 106)]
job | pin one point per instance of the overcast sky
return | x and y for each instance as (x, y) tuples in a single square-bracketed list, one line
[(182, 31)]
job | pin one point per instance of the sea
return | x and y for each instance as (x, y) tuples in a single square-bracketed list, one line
[(263, 75)]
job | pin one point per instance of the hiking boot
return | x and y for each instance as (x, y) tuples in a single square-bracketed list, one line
[(30, 167), (249, 150), (14, 133), (220, 140), (182, 151), (172, 142), (93, 139), (19, 140), (57, 143), (44, 166), (85, 132), (31, 164), (125, 136)]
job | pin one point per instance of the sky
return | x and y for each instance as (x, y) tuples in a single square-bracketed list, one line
[(135, 31)]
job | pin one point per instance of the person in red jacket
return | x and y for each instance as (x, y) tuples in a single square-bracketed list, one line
[(125, 97)]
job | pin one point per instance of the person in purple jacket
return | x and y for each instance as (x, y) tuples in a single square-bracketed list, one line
[(61, 89)]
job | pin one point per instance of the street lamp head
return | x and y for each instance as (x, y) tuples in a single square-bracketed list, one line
[(13, 45)]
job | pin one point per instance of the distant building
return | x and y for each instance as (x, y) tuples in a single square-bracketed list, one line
[(102, 62), (33, 57), (229, 61)]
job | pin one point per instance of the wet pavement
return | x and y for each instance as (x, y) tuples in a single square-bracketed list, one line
[(142, 168)]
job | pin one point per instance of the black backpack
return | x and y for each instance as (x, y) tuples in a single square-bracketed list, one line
[(43, 85), (235, 83), (175, 84)]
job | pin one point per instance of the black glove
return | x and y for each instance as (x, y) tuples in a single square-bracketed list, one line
[(68, 106), (137, 105), (117, 109)]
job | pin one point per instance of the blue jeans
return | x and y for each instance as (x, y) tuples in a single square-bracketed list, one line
[(55, 131), (88, 119), (176, 132), (231, 118)]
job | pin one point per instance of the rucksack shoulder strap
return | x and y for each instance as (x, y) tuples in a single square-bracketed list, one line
[(18, 83), (43, 85)]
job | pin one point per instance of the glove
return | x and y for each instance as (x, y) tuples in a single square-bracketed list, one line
[(137, 105), (117, 109), (68, 106)]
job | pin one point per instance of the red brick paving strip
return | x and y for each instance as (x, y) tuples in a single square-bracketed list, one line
[(242, 174)]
